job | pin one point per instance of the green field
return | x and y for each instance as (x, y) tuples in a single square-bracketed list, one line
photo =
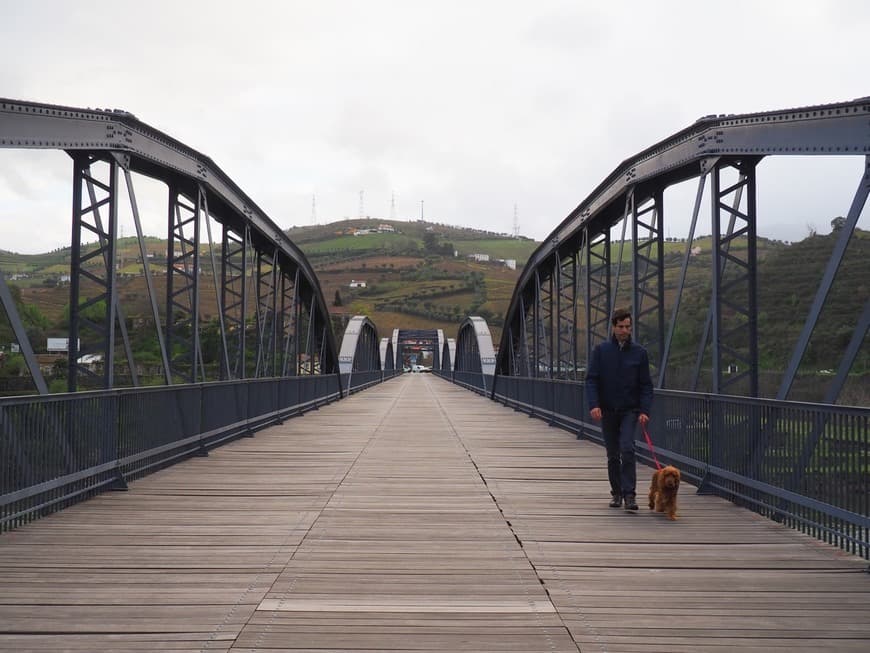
[(502, 248), (364, 243)]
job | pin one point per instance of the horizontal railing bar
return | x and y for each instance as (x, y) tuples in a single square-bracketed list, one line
[(76, 420), (798, 499)]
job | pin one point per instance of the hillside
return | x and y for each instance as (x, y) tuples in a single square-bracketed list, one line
[(419, 274)]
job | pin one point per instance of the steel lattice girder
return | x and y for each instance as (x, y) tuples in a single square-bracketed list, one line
[(734, 282), (100, 330), (234, 264), (647, 272), (182, 286), (267, 308), (737, 140), (287, 324), (543, 321), (598, 293), (566, 328), (191, 177)]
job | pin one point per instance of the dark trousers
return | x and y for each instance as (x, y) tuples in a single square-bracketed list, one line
[(619, 430)]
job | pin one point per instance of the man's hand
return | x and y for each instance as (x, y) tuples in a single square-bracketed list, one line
[(595, 413), (643, 418)]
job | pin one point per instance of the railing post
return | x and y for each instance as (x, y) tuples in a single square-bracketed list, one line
[(551, 386), (113, 421), (714, 427), (202, 450), (249, 432), (279, 418)]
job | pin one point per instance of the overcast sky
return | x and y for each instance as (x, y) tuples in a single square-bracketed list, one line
[(471, 108)]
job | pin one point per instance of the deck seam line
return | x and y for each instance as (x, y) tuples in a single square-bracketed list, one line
[(283, 596), (507, 523)]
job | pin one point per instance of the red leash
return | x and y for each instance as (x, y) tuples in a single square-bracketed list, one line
[(650, 444)]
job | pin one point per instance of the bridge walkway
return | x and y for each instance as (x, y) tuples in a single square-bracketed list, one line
[(416, 516)]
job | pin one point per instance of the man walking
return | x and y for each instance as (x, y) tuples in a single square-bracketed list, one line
[(620, 392)]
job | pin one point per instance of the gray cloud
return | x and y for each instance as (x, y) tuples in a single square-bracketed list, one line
[(469, 107)]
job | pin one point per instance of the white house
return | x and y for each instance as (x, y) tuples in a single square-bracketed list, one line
[(57, 345), (357, 284)]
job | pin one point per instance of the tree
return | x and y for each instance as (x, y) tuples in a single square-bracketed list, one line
[(430, 241), (838, 223), (337, 300)]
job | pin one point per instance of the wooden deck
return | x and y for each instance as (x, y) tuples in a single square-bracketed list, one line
[(417, 516)]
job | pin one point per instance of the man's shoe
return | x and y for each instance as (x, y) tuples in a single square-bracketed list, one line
[(630, 502), (616, 501)]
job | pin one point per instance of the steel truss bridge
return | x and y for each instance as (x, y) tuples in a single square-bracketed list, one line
[(264, 348)]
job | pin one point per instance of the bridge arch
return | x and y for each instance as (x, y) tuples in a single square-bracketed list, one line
[(272, 319), (566, 293), (474, 349), (360, 346), (388, 358), (416, 346), (448, 355), (360, 358), (570, 285), (473, 356)]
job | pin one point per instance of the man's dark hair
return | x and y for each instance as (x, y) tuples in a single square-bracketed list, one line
[(619, 315)]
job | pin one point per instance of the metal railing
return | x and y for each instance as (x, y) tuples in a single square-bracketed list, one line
[(56, 450), (355, 381), (805, 465)]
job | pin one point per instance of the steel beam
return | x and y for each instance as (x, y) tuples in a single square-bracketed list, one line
[(598, 305), (544, 314), (216, 276), (663, 365), (861, 328), (267, 301), (566, 326), (21, 336), (182, 287), (122, 162), (291, 335), (149, 281), (827, 281), (234, 266), (648, 277), (102, 134), (92, 318), (735, 333)]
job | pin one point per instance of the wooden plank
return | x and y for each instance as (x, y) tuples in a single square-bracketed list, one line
[(719, 578), (416, 516)]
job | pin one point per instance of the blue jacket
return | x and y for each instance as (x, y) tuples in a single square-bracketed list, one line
[(618, 379)]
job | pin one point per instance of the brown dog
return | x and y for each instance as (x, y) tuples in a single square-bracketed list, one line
[(663, 491)]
